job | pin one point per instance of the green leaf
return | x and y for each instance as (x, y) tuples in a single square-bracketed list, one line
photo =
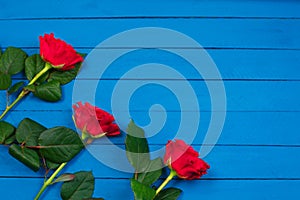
[(51, 165), (6, 131), (152, 172), (141, 191), (137, 149), (81, 187), (64, 77), (15, 87), (12, 61), (28, 132), (28, 157), (5, 81), (11, 139), (64, 178), (168, 194), (50, 91), (82, 54), (59, 144), (33, 65)]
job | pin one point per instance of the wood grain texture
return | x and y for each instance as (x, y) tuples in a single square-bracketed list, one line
[(256, 47), (241, 96), (233, 64), (227, 162), (189, 8), (228, 189), (210, 33), (240, 128)]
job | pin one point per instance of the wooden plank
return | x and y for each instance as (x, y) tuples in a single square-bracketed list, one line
[(240, 128), (241, 96), (256, 47), (257, 64), (232, 63), (227, 162), (210, 33), (119, 8), (193, 190)]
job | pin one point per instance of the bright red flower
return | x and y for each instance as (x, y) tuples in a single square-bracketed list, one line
[(94, 121), (58, 53), (184, 160)]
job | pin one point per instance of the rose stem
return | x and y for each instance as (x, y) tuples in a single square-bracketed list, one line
[(24, 92), (168, 179), (49, 181)]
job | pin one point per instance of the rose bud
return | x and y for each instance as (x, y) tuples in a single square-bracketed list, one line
[(183, 159), (58, 53), (93, 121)]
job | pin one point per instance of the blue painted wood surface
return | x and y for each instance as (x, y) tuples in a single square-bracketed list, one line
[(256, 47)]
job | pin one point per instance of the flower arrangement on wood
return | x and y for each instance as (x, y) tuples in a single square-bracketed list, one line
[(37, 146), (182, 160), (52, 148), (57, 64)]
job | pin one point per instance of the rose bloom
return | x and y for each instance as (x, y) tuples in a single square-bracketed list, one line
[(183, 159), (94, 121), (58, 53)]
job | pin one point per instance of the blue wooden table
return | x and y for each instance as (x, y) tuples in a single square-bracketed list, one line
[(256, 48)]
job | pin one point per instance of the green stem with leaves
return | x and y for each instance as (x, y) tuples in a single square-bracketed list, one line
[(25, 92), (168, 179), (49, 181)]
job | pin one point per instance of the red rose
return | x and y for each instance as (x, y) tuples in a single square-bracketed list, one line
[(184, 160), (94, 121), (58, 53)]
